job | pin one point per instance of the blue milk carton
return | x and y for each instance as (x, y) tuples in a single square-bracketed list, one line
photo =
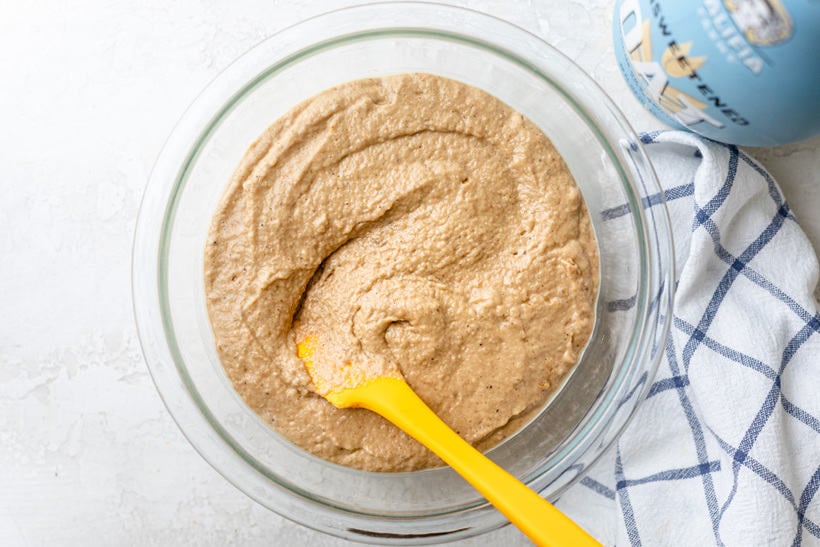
[(737, 71)]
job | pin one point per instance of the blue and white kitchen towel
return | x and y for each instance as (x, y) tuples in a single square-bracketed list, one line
[(726, 449)]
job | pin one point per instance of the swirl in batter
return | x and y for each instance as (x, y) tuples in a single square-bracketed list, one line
[(408, 221)]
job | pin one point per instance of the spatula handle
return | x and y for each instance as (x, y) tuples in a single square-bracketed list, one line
[(393, 399)]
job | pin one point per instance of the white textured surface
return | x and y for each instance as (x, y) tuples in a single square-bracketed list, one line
[(88, 93)]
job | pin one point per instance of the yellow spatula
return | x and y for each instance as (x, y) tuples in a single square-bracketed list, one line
[(389, 395)]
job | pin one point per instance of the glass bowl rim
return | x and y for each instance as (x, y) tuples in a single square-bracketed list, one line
[(147, 215)]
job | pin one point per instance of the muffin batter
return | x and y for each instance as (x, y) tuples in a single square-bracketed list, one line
[(409, 221)]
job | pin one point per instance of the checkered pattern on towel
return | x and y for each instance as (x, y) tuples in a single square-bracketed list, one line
[(726, 448)]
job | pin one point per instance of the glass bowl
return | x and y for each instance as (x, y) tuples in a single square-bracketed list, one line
[(608, 163)]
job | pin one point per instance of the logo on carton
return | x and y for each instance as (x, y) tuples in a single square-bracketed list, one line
[(763, 22), (674, 62)]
